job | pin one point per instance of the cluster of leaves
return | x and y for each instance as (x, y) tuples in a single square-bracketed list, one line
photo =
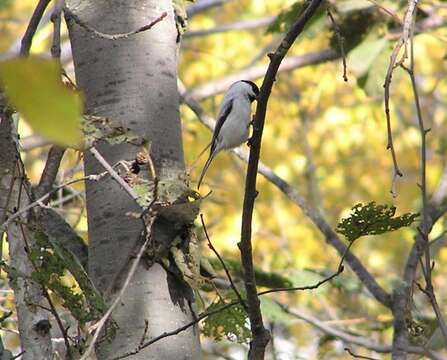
[(50, 269), (231, 323), (373, 219)]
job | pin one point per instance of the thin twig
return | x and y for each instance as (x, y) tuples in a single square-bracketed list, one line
[(113, 173), (348, 350), (40, 201), (32, 26), (341, 42), (59, 323), (146, 329), (340, 269), (70, 15), (260, 334), (302, 288), (100, 324), (387, 11), (227, 272), (18, 355), (394, 62)]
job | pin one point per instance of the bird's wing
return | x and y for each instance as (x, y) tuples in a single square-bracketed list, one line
[(223, 114)]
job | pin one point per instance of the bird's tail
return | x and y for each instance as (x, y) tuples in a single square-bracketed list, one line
[(205, 168), (194, 164)]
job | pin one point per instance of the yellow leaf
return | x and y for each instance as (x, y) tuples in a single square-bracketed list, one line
[(35, 89)]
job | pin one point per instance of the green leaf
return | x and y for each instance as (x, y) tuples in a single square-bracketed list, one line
[(362, 57), (372, 219), (231, 323), (369, 61), (35, 89), (272, 311)]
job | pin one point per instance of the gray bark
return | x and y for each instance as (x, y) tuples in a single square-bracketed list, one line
[(32, 320), (133, 81)]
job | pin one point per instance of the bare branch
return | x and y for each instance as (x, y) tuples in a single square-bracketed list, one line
[(49, 173), (227, 272), (341, 41), (113, 173), (302, 288), (40, 201), (32, 26), (69, 15), (261, 335), (387, 11), (356, 356)]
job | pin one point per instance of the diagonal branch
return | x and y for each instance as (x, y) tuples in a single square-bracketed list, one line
[(70, 15), (227, 272), (32, 26), (49, 173)]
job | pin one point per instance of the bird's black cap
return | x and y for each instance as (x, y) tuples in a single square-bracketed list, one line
[(254, 87)]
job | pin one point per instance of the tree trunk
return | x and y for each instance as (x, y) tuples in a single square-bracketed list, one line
[(33, 323), (133, 81)]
